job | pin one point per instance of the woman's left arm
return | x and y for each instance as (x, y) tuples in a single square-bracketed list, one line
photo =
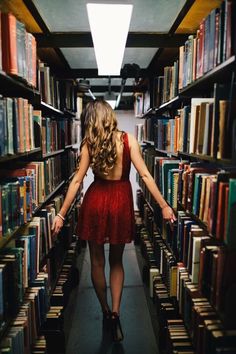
[(73, 189)]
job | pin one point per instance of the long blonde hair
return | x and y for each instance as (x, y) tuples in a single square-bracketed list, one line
[(99, 126)]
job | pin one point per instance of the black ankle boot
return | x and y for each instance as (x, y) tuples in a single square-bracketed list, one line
[(116, 330), (106, 319)]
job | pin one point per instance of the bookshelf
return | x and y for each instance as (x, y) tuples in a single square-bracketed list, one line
[(32, 188), (186, 263)]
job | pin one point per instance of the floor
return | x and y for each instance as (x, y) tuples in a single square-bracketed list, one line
[(84, 320)]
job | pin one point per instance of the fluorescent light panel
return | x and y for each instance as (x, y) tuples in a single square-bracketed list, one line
[(109, 24)]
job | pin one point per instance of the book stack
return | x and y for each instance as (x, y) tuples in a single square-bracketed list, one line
[(16, 126), (213, 44), (67, 279), (31, 312), (20, 49)]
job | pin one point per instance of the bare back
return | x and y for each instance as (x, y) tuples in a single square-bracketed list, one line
[(116, 172)]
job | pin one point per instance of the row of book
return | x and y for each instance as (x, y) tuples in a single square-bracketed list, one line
[(24, 189), (57, 134), (205, 127), (213, 44), (38, 312), (16, 126), (198, 290), (17, 49), (60, 94), (205, 190)]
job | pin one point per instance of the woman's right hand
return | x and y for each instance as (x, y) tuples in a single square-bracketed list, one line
[(168, 214), (57, 225)]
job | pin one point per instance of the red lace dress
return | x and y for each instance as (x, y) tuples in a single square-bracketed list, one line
[(107, 212)]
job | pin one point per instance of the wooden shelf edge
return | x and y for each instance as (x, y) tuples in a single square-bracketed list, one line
[(19, 156)]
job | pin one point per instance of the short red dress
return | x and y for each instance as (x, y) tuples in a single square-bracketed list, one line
[(107, 212)]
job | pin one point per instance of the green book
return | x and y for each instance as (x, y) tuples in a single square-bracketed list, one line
[(166, 166), (231, 223)]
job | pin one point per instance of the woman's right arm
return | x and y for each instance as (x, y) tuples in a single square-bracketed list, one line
[(144, 173), (73, 188)]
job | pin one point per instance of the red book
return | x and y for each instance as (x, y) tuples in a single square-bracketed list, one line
[(9, 45), (226, 210), (220, 220)]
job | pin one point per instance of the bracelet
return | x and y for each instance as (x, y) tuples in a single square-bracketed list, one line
[(61, 217), (165, 206)]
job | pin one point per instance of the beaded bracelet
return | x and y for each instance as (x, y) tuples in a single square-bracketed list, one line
[(61, 217)]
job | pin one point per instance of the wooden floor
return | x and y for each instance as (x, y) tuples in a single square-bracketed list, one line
[(83, 318)]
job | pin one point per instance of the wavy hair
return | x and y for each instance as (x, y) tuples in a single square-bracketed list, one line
[(98, 127)]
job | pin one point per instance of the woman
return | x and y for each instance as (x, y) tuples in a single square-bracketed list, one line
[(107, 214)]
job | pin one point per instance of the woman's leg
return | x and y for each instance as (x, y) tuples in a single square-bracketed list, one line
[(116, 275), (97, 257)]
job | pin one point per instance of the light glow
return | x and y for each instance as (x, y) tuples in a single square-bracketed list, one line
[(109, 24)]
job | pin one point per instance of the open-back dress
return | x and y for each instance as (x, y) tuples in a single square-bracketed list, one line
[(107, 212)]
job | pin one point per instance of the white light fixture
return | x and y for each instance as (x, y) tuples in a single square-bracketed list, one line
[(109, 24)]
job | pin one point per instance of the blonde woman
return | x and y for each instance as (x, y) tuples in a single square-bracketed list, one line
[(107, 213)]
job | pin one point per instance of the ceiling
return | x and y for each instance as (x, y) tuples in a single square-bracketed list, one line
[(64, 41)]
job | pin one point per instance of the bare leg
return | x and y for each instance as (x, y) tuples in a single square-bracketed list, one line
[(97, 257), (116, 275)]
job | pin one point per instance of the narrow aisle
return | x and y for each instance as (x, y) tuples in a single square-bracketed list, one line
[(86, 337)]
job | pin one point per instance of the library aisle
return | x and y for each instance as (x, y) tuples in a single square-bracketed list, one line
[(84, 320)]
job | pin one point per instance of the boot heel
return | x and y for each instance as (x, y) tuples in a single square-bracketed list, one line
[(116, 329)]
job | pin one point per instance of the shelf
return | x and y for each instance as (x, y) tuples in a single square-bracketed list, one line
[(150, 112), (174, 103), (220, 73), (47, 108), (69, 113), (16, 86), (195, 157), (148, 142), (167, 153), (206, 158), (53, 153), (7, 158)]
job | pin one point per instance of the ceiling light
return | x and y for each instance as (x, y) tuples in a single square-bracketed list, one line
[(109, 24)]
